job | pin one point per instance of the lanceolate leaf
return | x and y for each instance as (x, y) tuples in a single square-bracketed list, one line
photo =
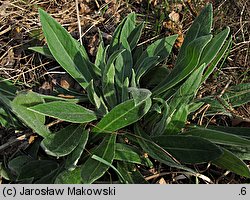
[(65, 49), (237, 95), (188, 89), (130, 173), (64, 141), (127, 153), (93, 169), (123, 115), (75, 155), (201, 27), (122, 32), (65, 111), (160, 48), (188, 63), (156, 151), (35, 121), (216, 60), (69, 177), (37, 169), (135, 35), (145, 66), (218, 137), (189, 149), (7, 89), (96, 100), (214, 46), (44, 50), (231, 162)]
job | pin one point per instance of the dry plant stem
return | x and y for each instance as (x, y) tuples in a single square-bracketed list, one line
[(79, 22), (201, 176), (20, 138)]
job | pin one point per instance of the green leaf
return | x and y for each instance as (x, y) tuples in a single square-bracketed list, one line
[(35, 121), (127, 153), (75, 155), (189, 149), (65, 111), (177, 120), (160, 48), (232, 163), (218, 137), (44, 50), (135, 35), (49, 178), (122, 33), (16, 164), (69, 177), (96, 100), (188, 63), (214, 46), (237, 95), (93, 169), (100, 56), (127, 28), (217, 59), (201, 27), (108, 79), (64, 141), (154, 76), (240, 131), (7, 89), (156, 151), (145, 66), (188, 89), (123, 115), (139, 95), (109, 165), (123, 66), (65, 49), (130, 173), (37, 169)]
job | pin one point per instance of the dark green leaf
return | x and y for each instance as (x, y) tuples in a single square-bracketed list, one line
[(93, 169), (64, 141), (217, 59), (231, 162), (37, 169), (189, 149), (135, 35), (156, 151), (218, 137), (16, 164), (160, 48), (96, 100), (130, 173), (214, 46), (127, 153), (75, 155), (69, 177)]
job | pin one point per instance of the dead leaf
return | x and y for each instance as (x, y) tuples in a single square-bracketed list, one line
[(162, 181), (175, 17)]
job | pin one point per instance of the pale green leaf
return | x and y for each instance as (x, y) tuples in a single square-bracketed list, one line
[(65, 111)]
